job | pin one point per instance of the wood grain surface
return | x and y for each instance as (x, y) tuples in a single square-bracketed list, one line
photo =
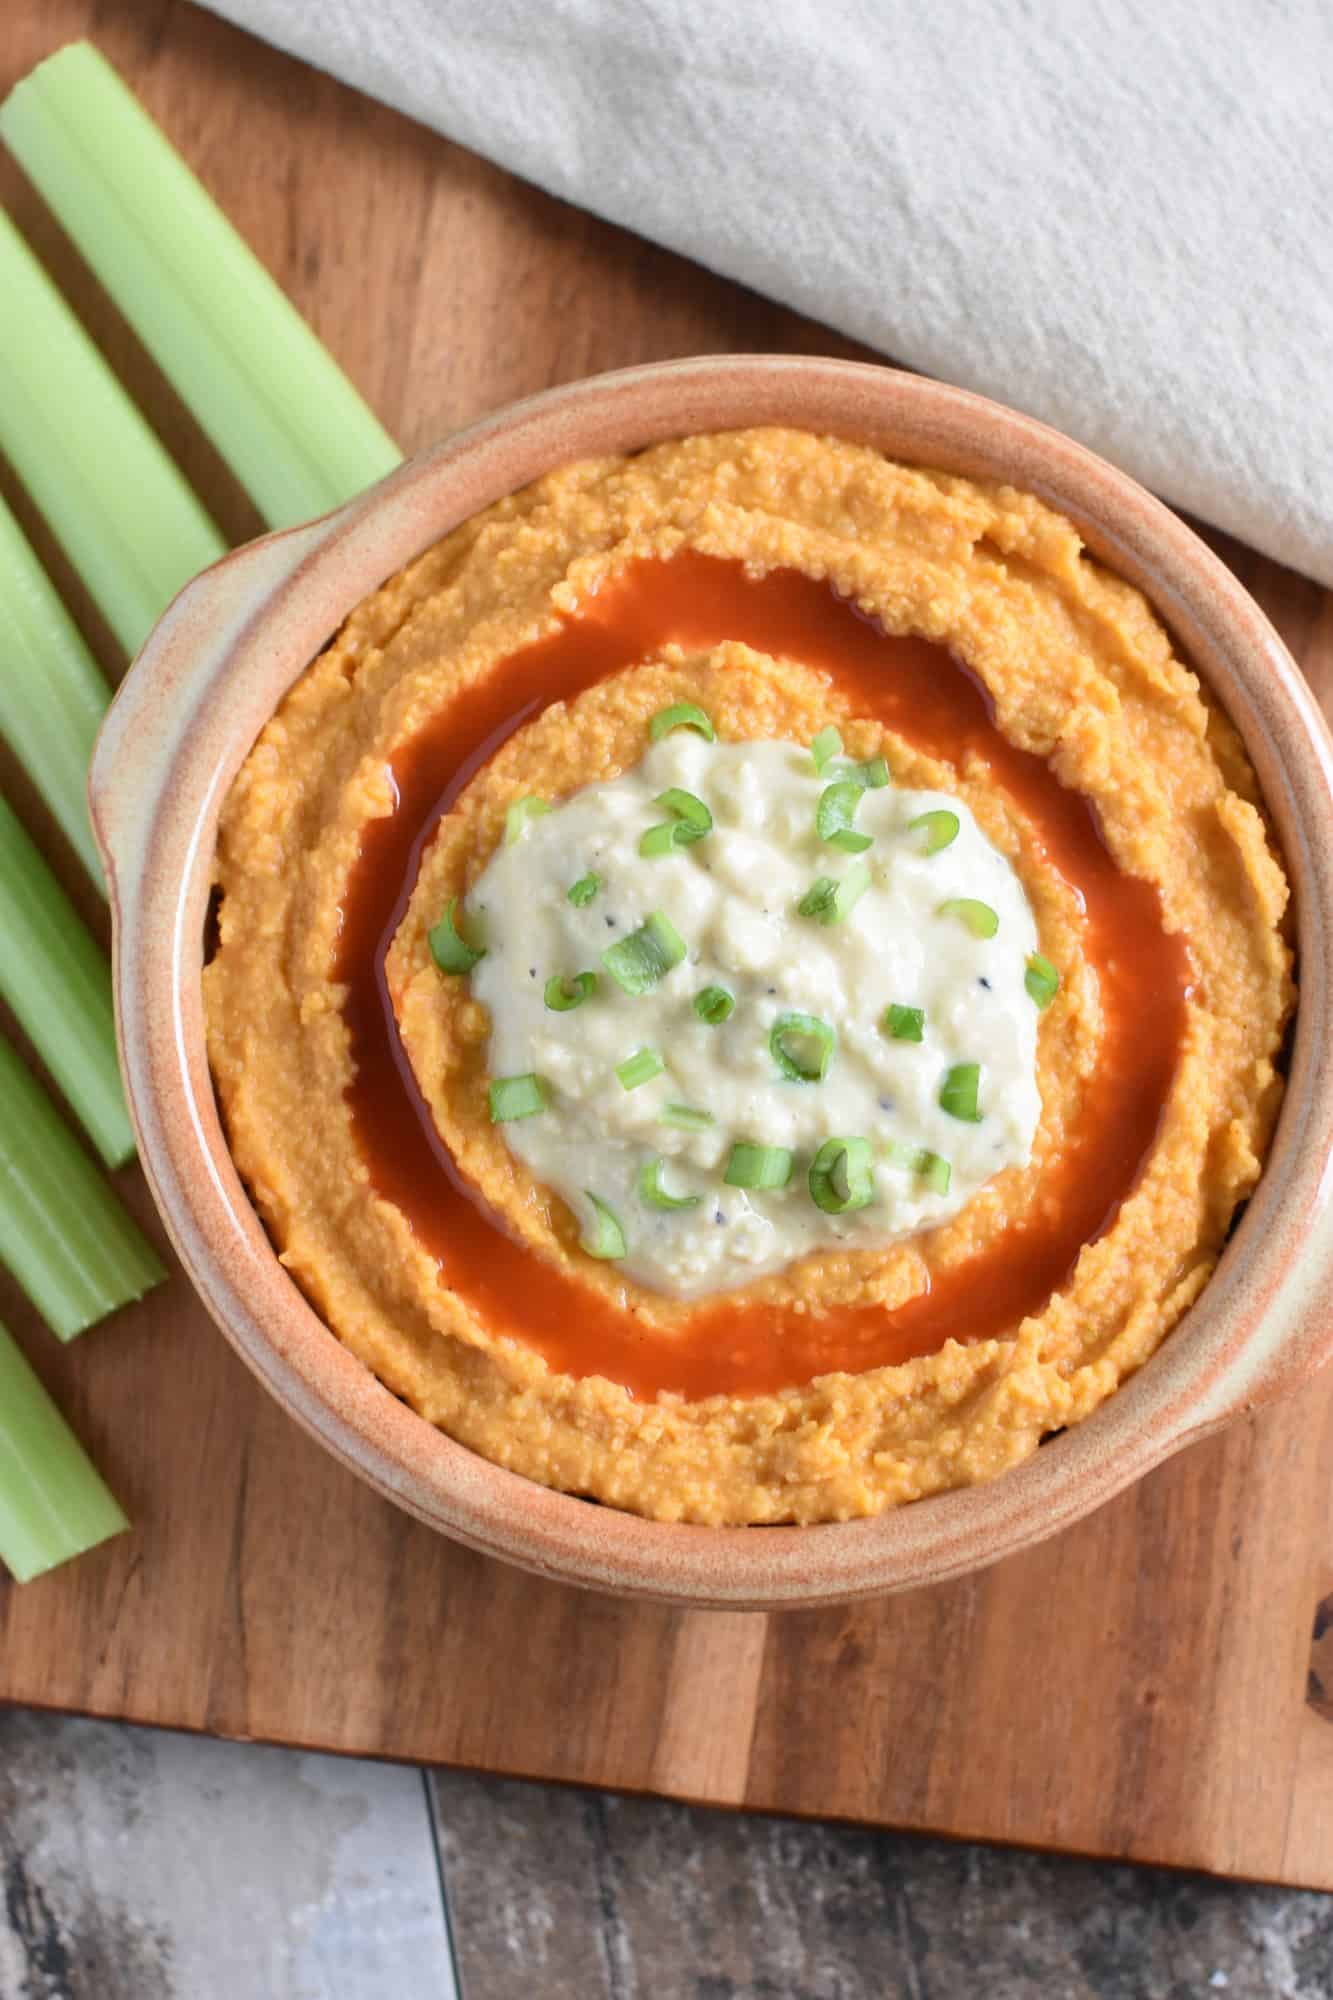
[(1156, 1684)]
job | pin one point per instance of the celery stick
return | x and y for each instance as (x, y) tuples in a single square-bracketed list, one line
[(115, 501), (53, 1502), (272, 399), (52, 694), (55, 977), (63, 1232)]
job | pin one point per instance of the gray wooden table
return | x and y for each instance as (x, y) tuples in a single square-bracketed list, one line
[(143, 1866)]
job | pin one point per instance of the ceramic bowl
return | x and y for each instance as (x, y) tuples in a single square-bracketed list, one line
[(240, 634)]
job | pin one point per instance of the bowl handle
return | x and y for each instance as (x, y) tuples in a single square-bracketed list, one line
[(159, 699)]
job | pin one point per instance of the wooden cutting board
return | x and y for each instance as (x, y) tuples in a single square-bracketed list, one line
[(1157, 1684)]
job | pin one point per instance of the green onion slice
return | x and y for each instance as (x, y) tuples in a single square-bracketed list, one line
[(562, 995), (1041, 979), (933, 1170), (517, 1097), (638, 961), (608, 1238), (753, 1166), (654, 1195), (940, 828), (681, 715), (581, 893), (686, 1117), (833, 897), (520, 813), (802, 1047), (980, 918), (905, 1024), (958, 1092), (639, 1068), (842, 1176), (826, 746), (690, 810), (714, 1005), (836, 811), (874, 775), (659, 840), (690, 821), (451, 952)]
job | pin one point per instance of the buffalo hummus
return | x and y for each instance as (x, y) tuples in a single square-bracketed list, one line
[(1058, 974)]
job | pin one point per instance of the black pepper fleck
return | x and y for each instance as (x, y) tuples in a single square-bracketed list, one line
[(983, 981)]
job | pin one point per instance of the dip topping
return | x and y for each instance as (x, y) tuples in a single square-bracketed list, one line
[(866, 1048)]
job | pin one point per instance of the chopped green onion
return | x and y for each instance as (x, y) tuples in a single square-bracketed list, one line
[(693, 815), (520, 814), (52, 695), (834, 815), (655, 1195), (842, 1176), (826, 746), (1041, 979), (608, 1239), (56, 979), (958, 1092), (657, 841), (714, 1005), (517, 1097), (79, 446), (638, 961), (53, 1502), (920, 1160), (63, 1232), (690, 821), (940, 827), (562, 996), (275, 404), (980, 918), (639, 1068), (905, 1024), (802, 1047), (450, 951), (833, 897), (681, 715), (581, 893), (753, 1166), (874, 775), (686, 1117)]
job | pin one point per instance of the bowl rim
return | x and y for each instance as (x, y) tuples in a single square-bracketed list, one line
[(184, 719)]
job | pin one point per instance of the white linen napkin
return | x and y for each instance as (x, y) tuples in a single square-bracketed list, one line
[(1115, 214)]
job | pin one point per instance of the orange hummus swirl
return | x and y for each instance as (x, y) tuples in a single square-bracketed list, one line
[(1079, 672)]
